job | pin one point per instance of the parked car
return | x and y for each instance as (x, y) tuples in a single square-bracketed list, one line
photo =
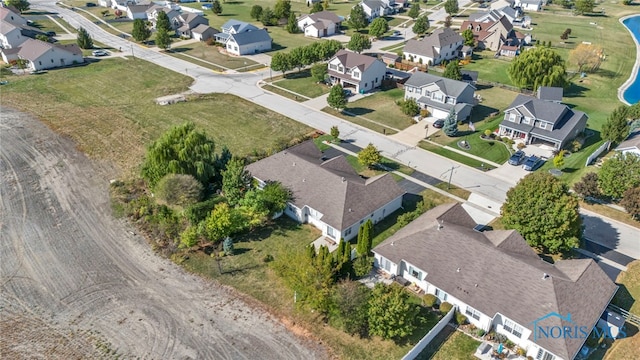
[(347, 93), (532, 163), (99, 53), (438, 124), (395, 33), (517, 158), (50, 33), (90, 4)]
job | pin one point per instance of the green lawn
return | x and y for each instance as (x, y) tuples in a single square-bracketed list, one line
[(381, 107), (456, 346), (454, 156), (302, 83), (489, 68), (108, 109), (212, 54), (46, 24)]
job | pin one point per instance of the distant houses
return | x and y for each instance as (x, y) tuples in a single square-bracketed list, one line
[(320, 24), (241, 38)]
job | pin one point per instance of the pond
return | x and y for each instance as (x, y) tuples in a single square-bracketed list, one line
[(632, 93)]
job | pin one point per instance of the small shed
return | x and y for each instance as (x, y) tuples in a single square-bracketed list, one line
[(170, 99)]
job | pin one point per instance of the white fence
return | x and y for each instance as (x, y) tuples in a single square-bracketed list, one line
[(429, 337), (597, 153)]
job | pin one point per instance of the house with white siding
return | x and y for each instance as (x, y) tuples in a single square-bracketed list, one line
[(352, 70), (241, 38), (439, 95), (442, 45), (41, 55), (10, 35), (320, 24), (498, 282), (328, 193), (137, 11)]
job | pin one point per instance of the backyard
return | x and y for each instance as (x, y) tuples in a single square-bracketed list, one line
[(302, 83), (450, 344)]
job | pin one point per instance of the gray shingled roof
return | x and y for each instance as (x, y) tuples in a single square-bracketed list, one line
[(550, 93), (250, 37), (373, 4), (138, 8), (438, 39), (633, 140), (350, 59), (448, 86), (238, 26), (499, 273), (202, 28), (540, 109), (325, 15), (331, 187)]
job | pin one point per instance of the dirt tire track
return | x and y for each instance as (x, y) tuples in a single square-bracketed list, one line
[(72, 273)]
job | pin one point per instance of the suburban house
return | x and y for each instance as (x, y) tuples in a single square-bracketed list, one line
[(493, 35), (241, 38), (631, 145), (498, 282), (469, 76), (320, 24), (540, 121), (42, 55), (186, 22), (328, 194), (10, 35), (443, 44), (376, 8), (362, 72), (137, 12), (203, 32), (15, 29), (122, 4), (495, 14), (530, 5), (550, 93), (7, 15), (439, 95), (152, 15)]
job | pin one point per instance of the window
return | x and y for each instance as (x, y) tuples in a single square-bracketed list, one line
[(508, 325), (526, 120), (441, 295), (543, 355), (512, 328), (513, 117), (437, 97), (356, 74), (415, 273), (347, 232), (331, 232), (386, 264), (451, 100), (517, 330), (376, 80), (471, 312), (333, 67), (543, 125)]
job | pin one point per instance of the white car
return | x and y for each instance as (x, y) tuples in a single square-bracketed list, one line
[(99, 53)]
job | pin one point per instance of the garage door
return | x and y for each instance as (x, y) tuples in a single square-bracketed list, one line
[(439, 114)]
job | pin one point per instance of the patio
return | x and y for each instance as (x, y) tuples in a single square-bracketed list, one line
[(375, 277), (326, 241), (489, 351)]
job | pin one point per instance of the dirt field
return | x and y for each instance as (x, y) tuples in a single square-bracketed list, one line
[(75, 283)]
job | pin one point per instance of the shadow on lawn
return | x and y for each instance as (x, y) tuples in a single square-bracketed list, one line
[(356, 111), (481, 112)]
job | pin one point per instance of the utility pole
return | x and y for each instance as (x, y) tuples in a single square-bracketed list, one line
[(450, 171)]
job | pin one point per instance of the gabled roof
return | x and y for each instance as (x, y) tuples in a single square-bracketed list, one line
[(497, 272), (139, 8), (448, 86), (7, 15), (428, 46), (549, 93), (250, 37), (238, 26), (7, 27), (323, 15), (485, 16), (632, 142), (540, 109), (32, 49), (331, 186), (350, 59), (373, 4), (202, 28)]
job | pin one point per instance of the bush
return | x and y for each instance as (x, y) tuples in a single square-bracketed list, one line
[(179, 189), (460, 318), (445, 307), (480, 333), (429, 300), (267, 258), (500, 338), (521, 146), (488, 132), (362, 265), (509, 344), (576, 146), (424, 113), (521, 352)]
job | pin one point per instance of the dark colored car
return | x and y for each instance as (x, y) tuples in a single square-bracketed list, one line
[(516, 158), (50, 33), (438, 124), (90, 4), (531, 163), (347, 92)]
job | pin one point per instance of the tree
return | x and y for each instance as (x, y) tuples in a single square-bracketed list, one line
[(140, 30), (537, 67), (163, 40), (319, 72), (409, 107), (20, 5), (256, 12), (365, 238), (275, 197), (335, 132), (616, 129), (358, 18), (352, 302), (421, 25), (317, 7), (84, 40), (618, 174), (452, 71), (584, 6), (558, 160), (391, 314), (337, 98), (281, 62), (631, 202), (162, 21), (268, 17), (216, 8), (222, 222), (378, 27), (543, 211), (369, 156), (189, 237), (282, 9), (451, 7), (414, 11), (179, 189), (587, 187), (236, 181), (227, 246), (469, 40), (292, 24), (181, 150), (448, 21), (587, 57), (359, 42), (450, 127)]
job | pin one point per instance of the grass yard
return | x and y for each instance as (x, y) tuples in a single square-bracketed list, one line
[(46, 24), (108, 109), (454, 156), (381, 107), (211, 54), (450, 344), (489, 68), (303, 84), (283, 93)]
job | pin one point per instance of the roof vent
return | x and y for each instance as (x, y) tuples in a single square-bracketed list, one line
[(304, 180), (545, 276), (350, 210), (343, 179), (440, 225), (392, 243), (458, 270), (476, 285), (294, 164)]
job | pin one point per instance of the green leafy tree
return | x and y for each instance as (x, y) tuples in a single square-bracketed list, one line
[(391, 313), (317, 7), (369, 156), (297, 58), (362, 265), (584, 6), (179, 189), (292, 25), (189, 237), (631, 202), (20, 5), (378, 27), (587, 187), (469, 40), (451, 7), (543, 211), (337, 98), (452, 71), (140, 30), (359, 42), (84, 40), (281, 62), (351, 301), (162, 21), (256, 12), (319, 72), (616, 129), (163, 39), (365, 238), (227, 246), (409, 107), (421, 25), (335, 132), (236, 181), (558, 160), (181, 150), (618, 174), (358, 18), (282, 9), (275, 197), (450, 127), (268, 17), (627, 2), (216, 7), (448, 21), (539, 66), (414, 11), (222, 222)]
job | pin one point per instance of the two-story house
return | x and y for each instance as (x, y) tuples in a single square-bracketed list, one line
[(241, 38), (439, 95), (362, 72), (328, 193), (542, 121), (376, 8), (186, 22), (12, 25), (493, 35), (443, 44), (499, 282), (494, 15), (320, 24), (152, 15)]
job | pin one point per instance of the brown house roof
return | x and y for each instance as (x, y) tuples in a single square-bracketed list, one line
[(331, 187), (497, 272), (350, 59)]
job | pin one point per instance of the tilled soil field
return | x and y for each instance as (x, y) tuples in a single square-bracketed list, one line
[(75, 283)]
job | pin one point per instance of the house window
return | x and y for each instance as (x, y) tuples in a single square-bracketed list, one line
[(543, 355), (376, 80), (543, 125), (512, 328), (471, 312), (333, 67), (437, 97), (348, 232), (356, 74), (331, 232), (415, 273), (512, 117), (386, 264), (526, 120), (451, 100), (441, 295)]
